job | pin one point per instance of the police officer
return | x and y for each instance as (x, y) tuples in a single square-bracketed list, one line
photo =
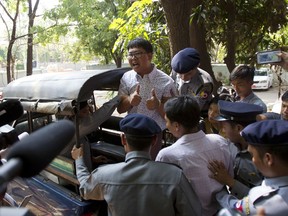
[(138, 186), (268, 145), (234, 117), (190, 79)]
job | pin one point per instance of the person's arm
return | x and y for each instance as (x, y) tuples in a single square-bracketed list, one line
[(92, 122), (128, 101), (220, 174), (225, 199), (260, 212), (187, 201), (88, 188), (284, 62), (170, 92), (154, 103)]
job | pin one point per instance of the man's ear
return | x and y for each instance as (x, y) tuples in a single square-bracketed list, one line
[(150, 56), (239, 127), (123, 139), (268, 159)]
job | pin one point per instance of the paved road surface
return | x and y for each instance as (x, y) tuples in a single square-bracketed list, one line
[(270, 96)]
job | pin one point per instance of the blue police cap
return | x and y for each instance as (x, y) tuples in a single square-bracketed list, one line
[(238, 111), (185, 60), (267, 133), (139, 125)]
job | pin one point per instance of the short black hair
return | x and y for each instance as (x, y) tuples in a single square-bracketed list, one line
[(279, 151), (285, 96), (217, 98), (140, 43), (183, 109), (139, 143), (242, 72)]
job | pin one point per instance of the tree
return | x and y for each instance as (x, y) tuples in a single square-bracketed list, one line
[(11, 8), (145, 19), (12, 36), (89, 20), (237, 24), (184, 32), (242, 26), (31, 14)]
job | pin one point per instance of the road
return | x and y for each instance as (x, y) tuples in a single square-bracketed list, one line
[(270, 96)]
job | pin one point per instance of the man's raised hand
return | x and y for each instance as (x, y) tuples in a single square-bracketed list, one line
[(153, 103), (135, 97)]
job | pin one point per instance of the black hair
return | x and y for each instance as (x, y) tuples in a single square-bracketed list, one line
[(279, 151), (140, 43), (139, 143), (183, 109), (285, 96), (217, 98), (242, 72)]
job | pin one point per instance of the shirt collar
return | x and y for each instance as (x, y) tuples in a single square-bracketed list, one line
[(276, 182), (152, 75), (249, 97), (137, 154), (190, 137)]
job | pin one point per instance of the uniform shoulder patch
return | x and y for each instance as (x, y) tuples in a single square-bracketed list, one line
[(239, 206), (206, 90)]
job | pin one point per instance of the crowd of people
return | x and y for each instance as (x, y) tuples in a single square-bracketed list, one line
[(238, 162)]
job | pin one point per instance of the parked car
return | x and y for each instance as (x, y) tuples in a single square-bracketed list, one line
[(51, 96), (263, 79)]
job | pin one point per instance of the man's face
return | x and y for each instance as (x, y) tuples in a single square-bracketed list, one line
[(172, 127), (284, 110), (232, 132), (188, 76), (139, 59), (242, 87), (213, 112), (257, 159)]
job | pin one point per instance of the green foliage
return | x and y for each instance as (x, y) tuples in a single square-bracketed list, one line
[(145, 19), (89, 20), (247, 25)]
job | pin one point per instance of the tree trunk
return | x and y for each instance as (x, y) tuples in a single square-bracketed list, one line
[(118, 62), (11, 43), (231, 35), (31, 15), (177, 13), (9, 58), (183, 33), (198, 35), (12, 74)]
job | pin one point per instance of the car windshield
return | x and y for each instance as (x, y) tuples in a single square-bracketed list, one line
[(260, 73)]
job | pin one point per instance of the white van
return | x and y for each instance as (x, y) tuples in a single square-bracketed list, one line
[(263, 79)]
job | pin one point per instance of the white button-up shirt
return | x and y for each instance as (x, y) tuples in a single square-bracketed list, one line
[(192, 152)]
